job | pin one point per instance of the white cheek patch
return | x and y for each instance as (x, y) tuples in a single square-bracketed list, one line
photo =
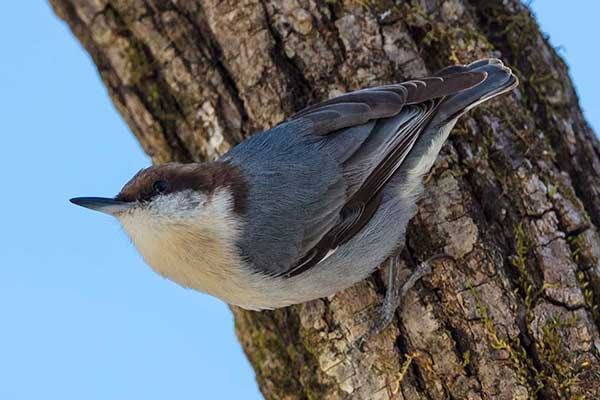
[(185, 204), (183, 213)]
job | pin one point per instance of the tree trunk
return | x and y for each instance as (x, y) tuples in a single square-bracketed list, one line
[(513, 196)]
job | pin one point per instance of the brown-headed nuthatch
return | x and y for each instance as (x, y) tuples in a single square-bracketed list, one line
[(309, 207)]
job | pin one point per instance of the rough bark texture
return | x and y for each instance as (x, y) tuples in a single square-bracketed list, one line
[(513, 196)]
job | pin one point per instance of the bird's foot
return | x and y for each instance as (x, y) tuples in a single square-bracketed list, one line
[(393, 297)]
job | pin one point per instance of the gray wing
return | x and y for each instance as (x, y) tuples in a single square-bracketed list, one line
[(316, 180)]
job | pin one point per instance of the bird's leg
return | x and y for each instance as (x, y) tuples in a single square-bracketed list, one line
[(395, 294)]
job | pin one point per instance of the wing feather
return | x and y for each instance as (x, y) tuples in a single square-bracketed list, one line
[(347, 149)]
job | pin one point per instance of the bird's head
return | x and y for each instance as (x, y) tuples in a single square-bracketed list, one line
[(183, 218), (174, 195)]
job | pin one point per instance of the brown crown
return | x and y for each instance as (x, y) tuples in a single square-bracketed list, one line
[(205, 178)]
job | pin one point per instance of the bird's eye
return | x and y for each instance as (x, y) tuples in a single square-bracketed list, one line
[(160, 186)]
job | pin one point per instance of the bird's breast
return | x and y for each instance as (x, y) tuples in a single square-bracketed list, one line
[(197, 251)]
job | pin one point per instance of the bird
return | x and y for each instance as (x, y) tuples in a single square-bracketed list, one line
[(309, 207)]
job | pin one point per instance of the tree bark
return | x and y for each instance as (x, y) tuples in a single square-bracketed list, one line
[(514, 196)]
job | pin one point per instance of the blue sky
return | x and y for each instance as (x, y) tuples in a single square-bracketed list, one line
[(82, 316)]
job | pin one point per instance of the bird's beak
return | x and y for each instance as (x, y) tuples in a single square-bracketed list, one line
[(105, 205)]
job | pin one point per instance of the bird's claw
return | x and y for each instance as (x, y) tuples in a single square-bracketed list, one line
[(393, 299)]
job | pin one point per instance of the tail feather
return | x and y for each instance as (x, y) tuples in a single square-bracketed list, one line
[(499, 79)]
